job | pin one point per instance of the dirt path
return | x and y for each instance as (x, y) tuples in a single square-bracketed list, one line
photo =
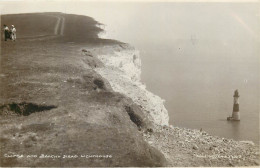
[(58, 29), (59, 26)]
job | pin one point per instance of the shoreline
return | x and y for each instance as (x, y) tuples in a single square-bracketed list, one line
[(104, 35), (123, 73)]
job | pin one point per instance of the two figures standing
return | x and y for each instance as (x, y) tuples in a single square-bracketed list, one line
[(9, 34)]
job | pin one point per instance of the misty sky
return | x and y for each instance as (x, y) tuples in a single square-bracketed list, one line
[(187, 17)]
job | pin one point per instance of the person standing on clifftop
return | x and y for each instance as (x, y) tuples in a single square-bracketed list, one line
[(6, 32), (13, 33)]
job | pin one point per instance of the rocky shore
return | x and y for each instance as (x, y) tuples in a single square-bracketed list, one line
[(186, 147), (180, 146)]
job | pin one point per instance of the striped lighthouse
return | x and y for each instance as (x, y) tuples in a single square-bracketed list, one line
[(236, 114)]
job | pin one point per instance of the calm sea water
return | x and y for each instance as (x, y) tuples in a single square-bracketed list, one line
[(194, 55)]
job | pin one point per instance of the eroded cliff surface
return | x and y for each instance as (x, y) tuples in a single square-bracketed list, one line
[(122, 68)]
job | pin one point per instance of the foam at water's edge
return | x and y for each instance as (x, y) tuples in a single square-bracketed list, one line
[(123, 71)]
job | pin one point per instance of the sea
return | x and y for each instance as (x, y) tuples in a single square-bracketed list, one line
[(194, 56)]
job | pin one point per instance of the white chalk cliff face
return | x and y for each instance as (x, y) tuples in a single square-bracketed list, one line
[(123, 71), (102, 34)]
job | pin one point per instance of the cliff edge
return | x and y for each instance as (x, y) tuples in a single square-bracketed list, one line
[(56, 110)]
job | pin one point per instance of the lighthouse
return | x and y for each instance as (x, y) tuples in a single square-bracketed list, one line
[(235, 113)]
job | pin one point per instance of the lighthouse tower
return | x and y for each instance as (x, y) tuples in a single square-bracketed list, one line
[(236, 114)]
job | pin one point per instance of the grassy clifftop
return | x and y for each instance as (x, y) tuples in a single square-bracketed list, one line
[(54, 104)]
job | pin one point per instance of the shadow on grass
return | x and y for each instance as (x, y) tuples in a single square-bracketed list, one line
[(24, 108)]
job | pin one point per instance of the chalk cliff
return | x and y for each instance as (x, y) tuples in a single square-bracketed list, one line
[(122, 68)]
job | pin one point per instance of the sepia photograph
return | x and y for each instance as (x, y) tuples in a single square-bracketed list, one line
[(129, 83)]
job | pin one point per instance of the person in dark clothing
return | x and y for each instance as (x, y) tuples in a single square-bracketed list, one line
[(6, 32)]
